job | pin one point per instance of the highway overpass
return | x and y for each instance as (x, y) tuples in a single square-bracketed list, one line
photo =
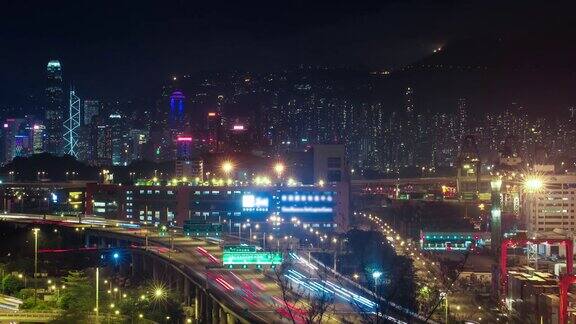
[(219, 295)]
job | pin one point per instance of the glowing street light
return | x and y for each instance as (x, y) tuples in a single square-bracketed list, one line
[(159, 293), (533, 184), (279, 169), (227, 167)]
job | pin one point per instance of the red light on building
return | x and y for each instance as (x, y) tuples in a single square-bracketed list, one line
[(184, 139), (238, 127), (211, 114)]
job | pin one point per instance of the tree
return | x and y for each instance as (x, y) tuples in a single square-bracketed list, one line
[(151, 306), (11, 284), (77, 300)]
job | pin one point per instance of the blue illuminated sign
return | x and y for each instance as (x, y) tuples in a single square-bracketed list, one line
[(252, 202)]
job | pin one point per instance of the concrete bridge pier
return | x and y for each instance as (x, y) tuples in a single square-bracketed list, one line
[(207, 307), (215, 312), (125, 267), (178, 285), (229, 319), (186, 292), (136, 269), (155, 271), (222, 316)]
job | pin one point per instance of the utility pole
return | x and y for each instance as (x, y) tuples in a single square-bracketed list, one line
[(35, 230), (97, 292)]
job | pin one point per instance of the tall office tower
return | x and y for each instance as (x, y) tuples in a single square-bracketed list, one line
[(55, 110), (83, 147), (37, 134), (212, 131), (91, 109), (72, 125), (100, 142), (176, 116), (138, 139), (116, 123), (184, 147), (9, 132), (185, 165)]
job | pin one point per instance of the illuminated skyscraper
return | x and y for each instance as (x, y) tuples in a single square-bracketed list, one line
[(72, 125), (91, 109), (55, 108), (176, 115), (37, 133), (117, 131)]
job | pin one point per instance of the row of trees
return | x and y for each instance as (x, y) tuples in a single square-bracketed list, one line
[(75, 296)]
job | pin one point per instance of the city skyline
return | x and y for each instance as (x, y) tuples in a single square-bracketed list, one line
[(288, 162)]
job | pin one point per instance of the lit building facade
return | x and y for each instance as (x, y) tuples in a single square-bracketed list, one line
[(91, 108), (317, 207), (176, 116), (551, 207)]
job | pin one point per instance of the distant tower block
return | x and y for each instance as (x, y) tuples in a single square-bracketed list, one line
[(55, 108), (72, 125), (176, 115), (468, 164)]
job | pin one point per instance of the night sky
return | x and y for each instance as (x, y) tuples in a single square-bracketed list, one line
[(118, 48)]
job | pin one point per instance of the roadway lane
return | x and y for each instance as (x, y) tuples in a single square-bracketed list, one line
[(253, 290)]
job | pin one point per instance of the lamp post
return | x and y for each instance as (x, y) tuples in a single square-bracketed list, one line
[(35, 231), (227, 167), (445, 296), (279, 169), (97, 292)]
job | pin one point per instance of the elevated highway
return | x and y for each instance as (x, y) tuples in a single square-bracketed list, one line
[(219, 295)]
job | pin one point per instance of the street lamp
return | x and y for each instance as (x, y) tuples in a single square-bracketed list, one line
[(159, 292), (35, 231), (533, 184), (445, 295), (279, 169), (227, 167)]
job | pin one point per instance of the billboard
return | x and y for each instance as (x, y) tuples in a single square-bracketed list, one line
[(255, 203), (307, 205)]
